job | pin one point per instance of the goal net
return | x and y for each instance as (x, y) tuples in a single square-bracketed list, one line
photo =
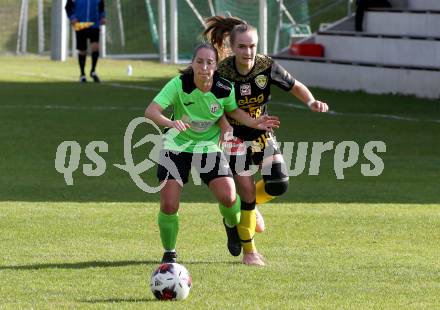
[(132, 28)]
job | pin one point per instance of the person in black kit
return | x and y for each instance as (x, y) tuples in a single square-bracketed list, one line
[(86, 16), (253, 75), (362, 5)]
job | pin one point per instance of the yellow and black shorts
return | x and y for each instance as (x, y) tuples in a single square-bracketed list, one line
[(241, 154)]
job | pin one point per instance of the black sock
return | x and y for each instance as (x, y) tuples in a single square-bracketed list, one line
[(82, 63), (95, 56)]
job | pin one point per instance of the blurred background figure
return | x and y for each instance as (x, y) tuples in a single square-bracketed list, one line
[(362, 5), (86, 17)]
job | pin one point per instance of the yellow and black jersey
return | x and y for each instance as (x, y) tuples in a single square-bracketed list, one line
[(252, 91)]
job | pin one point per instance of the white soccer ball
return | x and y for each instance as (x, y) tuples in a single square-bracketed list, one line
[(171, 281)]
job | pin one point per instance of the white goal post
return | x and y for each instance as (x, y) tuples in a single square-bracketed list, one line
[(168, 35), (174, 31), (59, 29)]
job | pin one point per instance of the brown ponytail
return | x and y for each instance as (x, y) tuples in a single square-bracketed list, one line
[(218, 28)]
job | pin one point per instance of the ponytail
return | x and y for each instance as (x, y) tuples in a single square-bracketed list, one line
[(187, 70), (218, 28)]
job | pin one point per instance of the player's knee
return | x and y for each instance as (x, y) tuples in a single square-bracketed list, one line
[(226, 196), (94, 46), (227, 200), (169, 207), (277, 182)]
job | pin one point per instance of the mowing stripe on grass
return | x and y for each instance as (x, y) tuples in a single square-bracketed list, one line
[(148, 88)]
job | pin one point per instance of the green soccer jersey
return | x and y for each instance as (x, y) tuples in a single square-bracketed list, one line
[(200, 110)]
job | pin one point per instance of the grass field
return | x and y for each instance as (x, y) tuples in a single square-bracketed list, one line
[(357, 243)]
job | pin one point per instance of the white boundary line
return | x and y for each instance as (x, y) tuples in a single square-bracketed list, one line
[(386, 116), (66, 107), (155, 89), (131, 86)]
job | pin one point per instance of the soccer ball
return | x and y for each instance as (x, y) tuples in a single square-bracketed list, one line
[(170, 281)]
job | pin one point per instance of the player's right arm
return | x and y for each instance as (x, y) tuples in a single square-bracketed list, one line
[(101, 11), (154, 112), (168, 96), (70, 10), (265, 122)]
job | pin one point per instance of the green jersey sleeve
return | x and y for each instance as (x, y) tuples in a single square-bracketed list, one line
[(169, 95), (230, 104)]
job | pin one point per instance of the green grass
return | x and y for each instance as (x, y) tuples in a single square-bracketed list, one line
[(326, 11), (320, 256), (357, 243), (32, 127)]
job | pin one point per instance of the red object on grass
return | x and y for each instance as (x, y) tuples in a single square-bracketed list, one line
[(307, 49)]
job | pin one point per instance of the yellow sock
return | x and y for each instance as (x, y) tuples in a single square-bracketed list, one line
[(246, 230), (262, 196)]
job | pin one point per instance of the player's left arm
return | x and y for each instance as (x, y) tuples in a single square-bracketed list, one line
[(226, 130), (300, 91), (285, 81)]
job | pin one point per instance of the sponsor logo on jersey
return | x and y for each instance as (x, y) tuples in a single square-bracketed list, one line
[(188, 103), (247, 100), (197, 125), (214, 107), (245, 89), (261, 81), (255, 112), (221, 85), (201, 126)]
